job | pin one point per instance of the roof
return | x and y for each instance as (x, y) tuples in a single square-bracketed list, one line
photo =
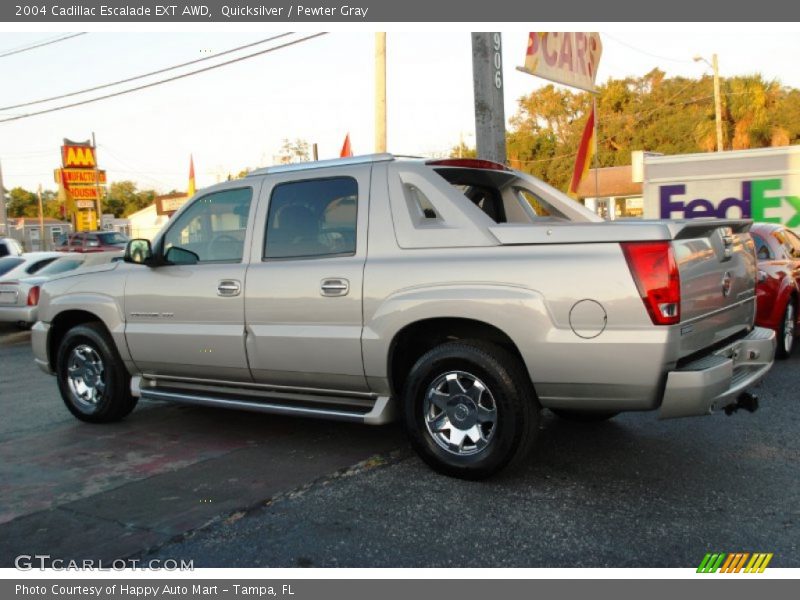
[(320, 164), (35, 221), (611, 181)]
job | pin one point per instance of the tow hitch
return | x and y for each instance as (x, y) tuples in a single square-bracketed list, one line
[(746, 400)]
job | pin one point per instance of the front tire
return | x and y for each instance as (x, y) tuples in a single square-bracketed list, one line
[(470, 409), (786, 331), (93, 382)]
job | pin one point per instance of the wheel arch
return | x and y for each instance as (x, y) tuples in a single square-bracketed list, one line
[(416, 338), (62, 323)]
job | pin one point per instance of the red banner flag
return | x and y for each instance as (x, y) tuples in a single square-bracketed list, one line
[(346, 149), (586, 151)]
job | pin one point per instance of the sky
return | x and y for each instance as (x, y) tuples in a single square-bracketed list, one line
[(236, 117)]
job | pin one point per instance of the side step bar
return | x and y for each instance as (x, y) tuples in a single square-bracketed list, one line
[(382, 412)]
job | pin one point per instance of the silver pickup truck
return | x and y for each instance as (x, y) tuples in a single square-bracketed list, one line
[(458, 295)]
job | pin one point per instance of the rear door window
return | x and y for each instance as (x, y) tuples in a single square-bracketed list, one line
[(312, 218)]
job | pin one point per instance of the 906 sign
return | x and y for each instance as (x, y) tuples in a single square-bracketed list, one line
[(497, 60)]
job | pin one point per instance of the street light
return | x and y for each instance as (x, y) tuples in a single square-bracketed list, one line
[(717, 100)]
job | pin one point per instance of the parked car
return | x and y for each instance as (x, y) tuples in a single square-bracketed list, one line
[(9, 247), (19, 299), (459, 295), (93, 241), (778, 288), (25, 265)]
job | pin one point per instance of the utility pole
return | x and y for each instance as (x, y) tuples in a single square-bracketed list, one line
[(487, 75), (380, 92), (98, 201), (3, 208), (717, 101), (42, 245), (717, 95)]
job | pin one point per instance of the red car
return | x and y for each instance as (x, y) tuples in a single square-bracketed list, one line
[(778, 287), (93, 241)]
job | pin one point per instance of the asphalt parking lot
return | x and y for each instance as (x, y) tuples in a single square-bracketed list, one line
[(242, 490)]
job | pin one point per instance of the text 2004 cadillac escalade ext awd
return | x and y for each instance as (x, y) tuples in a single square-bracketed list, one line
[(457, 294)]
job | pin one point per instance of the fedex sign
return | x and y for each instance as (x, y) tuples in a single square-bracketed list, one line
[(759, 199)]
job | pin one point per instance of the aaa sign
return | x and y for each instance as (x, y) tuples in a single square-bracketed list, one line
[(566, 57), (78, 157)]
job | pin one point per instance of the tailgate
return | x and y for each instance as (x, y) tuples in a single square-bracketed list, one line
[(717, 267)]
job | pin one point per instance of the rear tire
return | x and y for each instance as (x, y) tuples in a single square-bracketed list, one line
[(470, 409), (786, 331), (92, 379), (583, 416)]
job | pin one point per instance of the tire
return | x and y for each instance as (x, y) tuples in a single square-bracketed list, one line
[(785, 331), (474, 393), (583, 416), (87, 353)]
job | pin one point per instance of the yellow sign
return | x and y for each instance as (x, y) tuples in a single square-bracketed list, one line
[(568, 57), (78, 156), (85, 220), (83, 193), (79, 176)]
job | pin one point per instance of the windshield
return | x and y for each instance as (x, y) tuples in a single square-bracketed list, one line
[(113, 238), (9, 262), (62, 265)]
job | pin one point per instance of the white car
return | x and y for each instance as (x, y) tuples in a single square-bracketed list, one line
[(19, 298), (25, 265), (9, 247)]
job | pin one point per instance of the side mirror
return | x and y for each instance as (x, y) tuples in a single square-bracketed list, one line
[(180, 256), (138, 251)]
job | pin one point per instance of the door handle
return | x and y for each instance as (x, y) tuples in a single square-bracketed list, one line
[(334, 287), (229, 287)]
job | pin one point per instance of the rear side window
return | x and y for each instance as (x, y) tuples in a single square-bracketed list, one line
[(61, 266), (312, 218), (39, 264), (762, 248), (9, 262)]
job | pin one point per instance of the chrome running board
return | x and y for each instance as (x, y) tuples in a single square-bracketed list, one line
[(381, 412)]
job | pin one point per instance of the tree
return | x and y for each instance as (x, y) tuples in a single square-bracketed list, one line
[(23, 203), (294, 151), (124, 199), (652, 112)]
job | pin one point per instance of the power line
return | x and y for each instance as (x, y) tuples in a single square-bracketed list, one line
[(677, 60), (169, 79), (151, 73), (42, 44)]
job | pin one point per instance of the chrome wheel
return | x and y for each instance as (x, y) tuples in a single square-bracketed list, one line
[(86, 377), (460, 413), (788, 328)]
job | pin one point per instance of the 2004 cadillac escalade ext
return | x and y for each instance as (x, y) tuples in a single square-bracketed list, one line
[(457, 294)]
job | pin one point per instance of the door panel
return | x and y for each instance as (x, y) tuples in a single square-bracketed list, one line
[(178, 324), (304, 285), (188, 319)]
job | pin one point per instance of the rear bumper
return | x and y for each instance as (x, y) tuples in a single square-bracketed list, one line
[(18, 314), (715, 381)]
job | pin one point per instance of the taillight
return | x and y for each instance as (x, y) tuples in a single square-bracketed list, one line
[(33, 296), (655, 272)]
